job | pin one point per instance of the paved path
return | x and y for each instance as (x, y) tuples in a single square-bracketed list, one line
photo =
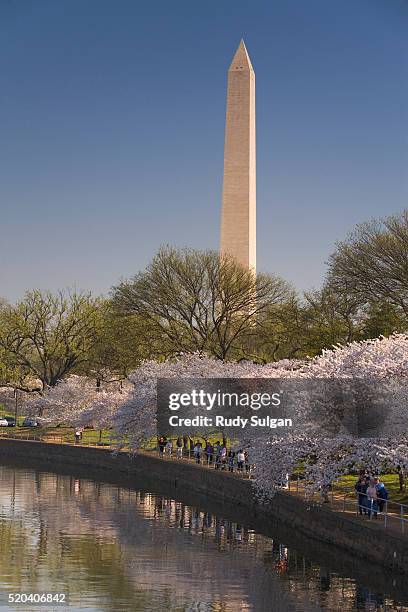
[(339, 500)]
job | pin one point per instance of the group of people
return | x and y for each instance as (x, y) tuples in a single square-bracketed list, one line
[(371, 494), (216, 455)]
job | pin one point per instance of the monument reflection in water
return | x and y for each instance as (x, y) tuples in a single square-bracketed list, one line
[(110, 548)]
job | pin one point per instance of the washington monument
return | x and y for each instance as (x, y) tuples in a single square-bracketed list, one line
[(238, 215)]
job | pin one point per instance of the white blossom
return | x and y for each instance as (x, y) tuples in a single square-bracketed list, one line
[(132, 412)]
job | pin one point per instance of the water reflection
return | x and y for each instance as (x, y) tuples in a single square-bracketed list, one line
[(111, 548)]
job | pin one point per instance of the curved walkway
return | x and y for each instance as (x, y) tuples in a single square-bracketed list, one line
[(339, 500)]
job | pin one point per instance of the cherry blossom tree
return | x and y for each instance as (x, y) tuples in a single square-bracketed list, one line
[(136, 419), (78, 401), (374, 364), (324, 457), (380, 364)]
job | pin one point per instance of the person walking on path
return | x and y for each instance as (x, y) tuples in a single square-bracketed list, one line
[(162, 444), (179, 445), (382, 494), (223, 457), (372, 499), (169, 447), (361, 489), (197, 452), (209, 451), (217, 455), (240, 460), (231, 459)]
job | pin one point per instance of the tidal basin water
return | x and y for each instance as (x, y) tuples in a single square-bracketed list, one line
[(111, 548)]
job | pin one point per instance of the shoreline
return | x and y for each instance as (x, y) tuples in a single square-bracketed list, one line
[(342, 542)]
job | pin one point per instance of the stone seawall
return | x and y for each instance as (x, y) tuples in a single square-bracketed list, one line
[(303, 524)]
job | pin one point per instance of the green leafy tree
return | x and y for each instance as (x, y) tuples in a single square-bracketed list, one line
[(330, 317), (280, 332), (44, 337), (372, 263), (124, 340), (199, 301), (382, 319)]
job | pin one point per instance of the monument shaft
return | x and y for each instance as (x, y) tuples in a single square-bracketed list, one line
[(238, 216)]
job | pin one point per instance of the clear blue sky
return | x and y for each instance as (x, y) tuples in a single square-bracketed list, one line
[(112, 121)]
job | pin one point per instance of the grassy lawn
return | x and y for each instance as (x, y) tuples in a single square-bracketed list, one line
[(89, 436), (58, 434), (51, 433)]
